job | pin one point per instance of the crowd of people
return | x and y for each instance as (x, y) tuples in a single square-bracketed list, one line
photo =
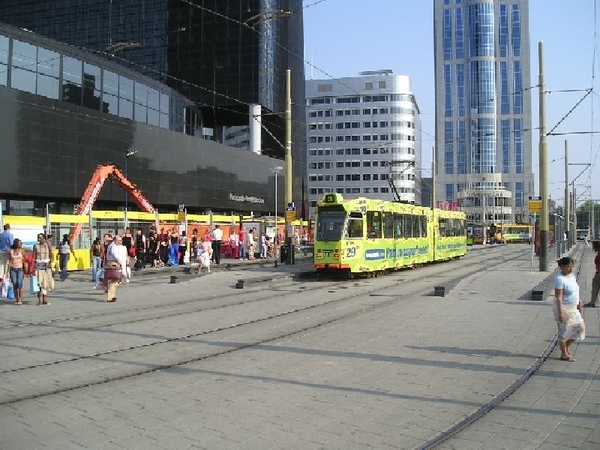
[(114, 257)]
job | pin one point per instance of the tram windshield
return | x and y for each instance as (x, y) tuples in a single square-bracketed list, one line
[(330, 224)]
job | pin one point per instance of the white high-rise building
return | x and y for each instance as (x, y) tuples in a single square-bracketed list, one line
[(361, 132)]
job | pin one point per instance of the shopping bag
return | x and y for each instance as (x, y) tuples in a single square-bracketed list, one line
[(10, 294), (34, 286), (4, 289)]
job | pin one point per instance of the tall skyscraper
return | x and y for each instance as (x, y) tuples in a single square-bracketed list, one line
[(483, 108), (362, 132), (224, 55)]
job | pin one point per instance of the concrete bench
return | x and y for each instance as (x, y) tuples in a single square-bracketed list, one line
[(443, 289), (544, 287)]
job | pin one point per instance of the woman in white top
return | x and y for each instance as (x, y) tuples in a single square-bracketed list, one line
[(64, 249)]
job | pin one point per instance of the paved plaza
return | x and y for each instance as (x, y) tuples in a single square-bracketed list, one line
[(400, 369)]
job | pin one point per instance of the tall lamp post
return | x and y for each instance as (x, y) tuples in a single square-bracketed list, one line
[(128, 153), (276, 171)]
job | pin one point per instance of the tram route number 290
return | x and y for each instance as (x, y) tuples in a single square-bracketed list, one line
[(350, 252)]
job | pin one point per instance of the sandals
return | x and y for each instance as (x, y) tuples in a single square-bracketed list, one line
[(568, 358)]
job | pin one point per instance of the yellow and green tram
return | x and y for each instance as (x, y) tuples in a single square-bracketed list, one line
[(365, 236), (510, 233)]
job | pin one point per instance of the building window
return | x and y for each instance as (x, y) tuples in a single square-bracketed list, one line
[(24, 65)]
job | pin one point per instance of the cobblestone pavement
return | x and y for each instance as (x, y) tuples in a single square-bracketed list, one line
[(392, 376)]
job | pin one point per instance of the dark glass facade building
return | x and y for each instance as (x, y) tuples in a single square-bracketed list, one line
[(223, 55), (64, 111)]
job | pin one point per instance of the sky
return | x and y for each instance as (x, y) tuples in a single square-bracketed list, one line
[(345, 37)]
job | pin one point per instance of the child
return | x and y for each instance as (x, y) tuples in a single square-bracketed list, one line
[(205, 260)]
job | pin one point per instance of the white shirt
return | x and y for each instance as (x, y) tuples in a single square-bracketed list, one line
[(217, 234), (118, 253)]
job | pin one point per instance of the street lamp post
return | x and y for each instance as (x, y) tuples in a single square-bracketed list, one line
[(128, 153), (276, 171)]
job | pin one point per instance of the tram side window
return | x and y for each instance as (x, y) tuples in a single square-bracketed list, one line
[(408, 228), (398, 226), (423, 226), (416, 225), (388, 231), (355, 227), (374, 224), (443, 224)]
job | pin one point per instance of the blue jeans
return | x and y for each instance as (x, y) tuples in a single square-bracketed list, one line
[(242, 252), (62, 263), (96, 264), (16, 276)]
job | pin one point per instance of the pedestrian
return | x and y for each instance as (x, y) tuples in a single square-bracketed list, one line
[(127, 239), (205, 256), (153, 255), (173, 248), (216, 239), (234, 244), (586, 241), (263, 246), (243, 244), (6, 241), (116, 268), (250, 243), (96, 258), (141, 248), (42, 257), (163, 247), (183, 247), (567, 309), (195, 245), (65, 249), (16, 260), (596, 279)]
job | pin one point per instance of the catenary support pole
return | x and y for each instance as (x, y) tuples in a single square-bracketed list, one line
[(543, 156), (568, 229)]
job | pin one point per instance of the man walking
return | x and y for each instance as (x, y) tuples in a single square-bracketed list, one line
[(216, 238), (6, 242)]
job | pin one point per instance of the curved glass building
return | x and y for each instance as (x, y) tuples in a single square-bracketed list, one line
[(483, 108)]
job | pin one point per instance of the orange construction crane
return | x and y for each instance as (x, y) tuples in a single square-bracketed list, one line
[(102, 173)]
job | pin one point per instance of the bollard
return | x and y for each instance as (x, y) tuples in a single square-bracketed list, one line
[(240, 284), (173, 279)]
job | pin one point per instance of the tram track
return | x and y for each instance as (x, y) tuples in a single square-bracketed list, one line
[(328, 312), (194, 301)]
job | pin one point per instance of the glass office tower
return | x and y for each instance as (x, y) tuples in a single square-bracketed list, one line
[(483, 108), (224, 55)]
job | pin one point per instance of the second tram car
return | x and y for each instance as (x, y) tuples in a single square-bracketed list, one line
[(369, 236)]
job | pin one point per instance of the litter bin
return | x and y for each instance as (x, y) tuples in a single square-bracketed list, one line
[(284, 254)]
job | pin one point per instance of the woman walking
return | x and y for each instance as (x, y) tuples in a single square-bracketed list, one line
[(64, 249), (96, 257), (16, 257), (567, 309), (42, 256)]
